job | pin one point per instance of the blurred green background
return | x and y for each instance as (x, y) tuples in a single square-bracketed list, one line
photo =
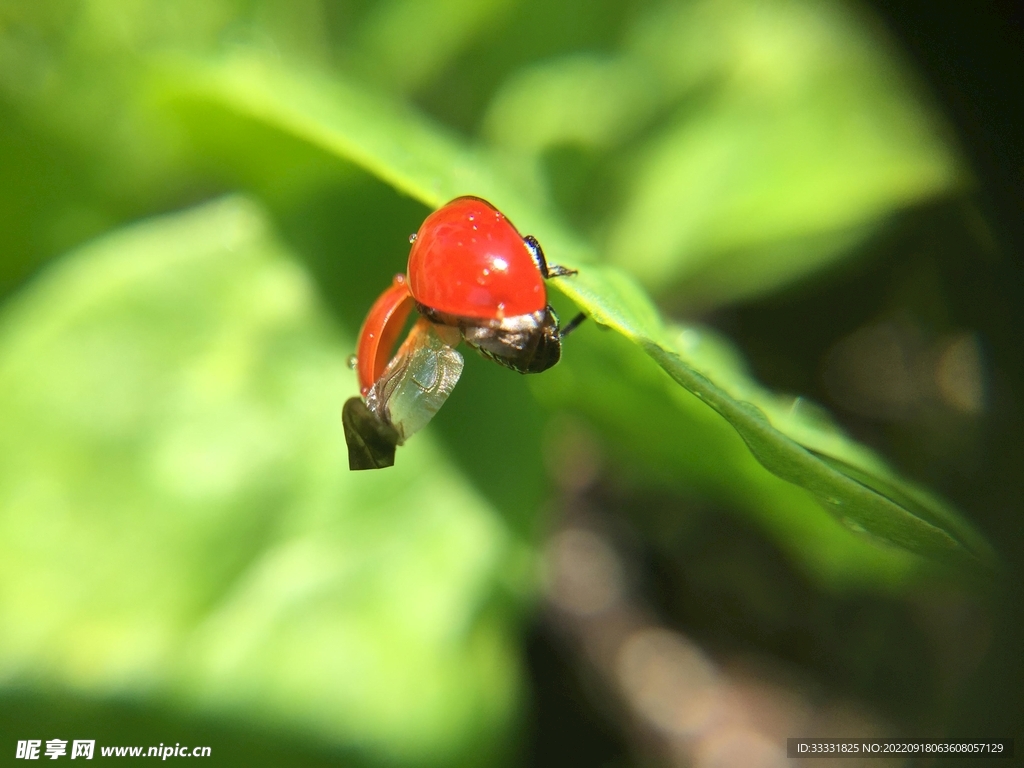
[(200, 200)]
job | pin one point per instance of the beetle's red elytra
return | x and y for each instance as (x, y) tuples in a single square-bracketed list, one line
[(469, 261), (380, 331)]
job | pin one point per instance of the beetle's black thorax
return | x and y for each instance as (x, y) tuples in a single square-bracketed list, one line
[(525, 343)]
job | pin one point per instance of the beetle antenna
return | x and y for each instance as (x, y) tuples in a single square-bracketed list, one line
[(572, 325)]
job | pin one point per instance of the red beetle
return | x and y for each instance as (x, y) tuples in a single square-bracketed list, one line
[(470, 269), (471, 275)]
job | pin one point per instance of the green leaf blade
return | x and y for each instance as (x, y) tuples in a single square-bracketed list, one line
[(420, 160)]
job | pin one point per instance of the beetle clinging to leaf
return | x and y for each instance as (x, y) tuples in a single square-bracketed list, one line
[(471, 277)]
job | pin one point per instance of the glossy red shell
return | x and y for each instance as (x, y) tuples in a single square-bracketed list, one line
[(468, 260), (380, 332)]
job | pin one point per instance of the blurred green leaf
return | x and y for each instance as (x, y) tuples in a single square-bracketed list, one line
[(419, 159), (585, 100), (81, 152), (178, 523), (807, 136), (403, 44), (749, 144), (354, 123)]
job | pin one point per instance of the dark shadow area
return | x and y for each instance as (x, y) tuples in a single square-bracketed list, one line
[(954, 268), (971, 55), (565, 727), (720, 582), (927, 281)]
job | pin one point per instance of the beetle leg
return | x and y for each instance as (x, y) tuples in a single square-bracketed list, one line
[(547, 270), (571, 326)]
